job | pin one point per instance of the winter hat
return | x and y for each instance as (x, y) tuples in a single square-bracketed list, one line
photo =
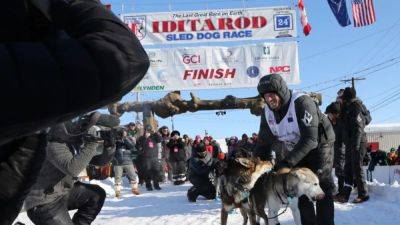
[(349, 93), (274, 83), (201, 150), (197, 138), (333, 108), (175, 132), (208, 138), (234, 138)]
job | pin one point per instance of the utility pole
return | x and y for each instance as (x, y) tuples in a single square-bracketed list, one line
[(172, 123), (137, 100), (353, 79)]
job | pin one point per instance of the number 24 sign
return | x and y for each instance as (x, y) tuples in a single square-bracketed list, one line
[(283, 22)]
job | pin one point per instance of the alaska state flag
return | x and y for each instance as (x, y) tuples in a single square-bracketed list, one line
[(339, 9)]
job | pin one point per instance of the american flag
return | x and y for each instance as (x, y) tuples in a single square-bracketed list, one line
[(363, 12)]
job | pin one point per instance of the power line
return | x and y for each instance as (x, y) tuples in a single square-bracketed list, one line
[(355, 73), (389, 103), (389, 118), (329, 87), (385, 35), (374, 71), (385, 101), (388, 91), (383, 48)]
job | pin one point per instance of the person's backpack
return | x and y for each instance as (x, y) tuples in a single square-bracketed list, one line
[(366, 114)]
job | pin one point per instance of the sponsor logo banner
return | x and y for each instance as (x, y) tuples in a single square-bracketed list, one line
[(212, 25), (215, 67)]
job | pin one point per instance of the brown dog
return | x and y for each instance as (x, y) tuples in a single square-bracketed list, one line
[(235, 184)]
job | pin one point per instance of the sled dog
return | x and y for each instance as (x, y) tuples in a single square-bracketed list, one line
[(278, 190)]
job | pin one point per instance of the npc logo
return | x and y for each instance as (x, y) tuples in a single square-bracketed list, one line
[(283, 22), (137, 24), (253, 71)]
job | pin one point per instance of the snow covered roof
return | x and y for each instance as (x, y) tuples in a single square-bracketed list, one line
[(385, 127)]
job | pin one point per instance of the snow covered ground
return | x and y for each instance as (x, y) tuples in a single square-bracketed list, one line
[(170, 207)]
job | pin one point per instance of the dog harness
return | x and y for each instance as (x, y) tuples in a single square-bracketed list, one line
[(287, 130), (289, 196)]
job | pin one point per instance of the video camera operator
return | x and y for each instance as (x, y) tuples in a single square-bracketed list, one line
[(72, 146), (59, 59)]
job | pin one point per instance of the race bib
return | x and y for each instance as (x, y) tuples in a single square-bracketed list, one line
[(176, 149), (151, 144)]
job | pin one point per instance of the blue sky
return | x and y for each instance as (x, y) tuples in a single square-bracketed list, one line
[(328, 54)]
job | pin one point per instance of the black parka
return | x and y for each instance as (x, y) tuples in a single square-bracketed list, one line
[(84, 59), (199, 169), (177, 151), (318, 130)]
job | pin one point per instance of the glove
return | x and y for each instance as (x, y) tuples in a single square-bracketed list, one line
[(219, 167), (282, 167)]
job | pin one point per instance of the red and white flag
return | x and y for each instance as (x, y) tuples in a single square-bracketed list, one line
[(363, 12), (304, 20)]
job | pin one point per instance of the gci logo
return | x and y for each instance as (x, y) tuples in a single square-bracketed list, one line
[(191, 59), (279, 69)]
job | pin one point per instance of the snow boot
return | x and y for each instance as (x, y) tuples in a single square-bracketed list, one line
[(179, 182), (340, 185), (117, 189), (134, 188), (344, 196), (192, 195), (361, 199), (156, 186), (149, 187)]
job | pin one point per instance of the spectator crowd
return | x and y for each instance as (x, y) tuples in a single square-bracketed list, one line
[(149, 157)]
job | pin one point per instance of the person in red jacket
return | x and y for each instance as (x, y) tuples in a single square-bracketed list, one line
[(207, 144)]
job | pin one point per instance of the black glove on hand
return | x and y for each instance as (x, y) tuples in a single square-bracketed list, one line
[(280, 165), (220, 167)]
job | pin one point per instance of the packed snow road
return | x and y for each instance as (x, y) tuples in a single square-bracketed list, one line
[(170, 207)]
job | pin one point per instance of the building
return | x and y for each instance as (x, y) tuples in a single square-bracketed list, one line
[(383, 136)]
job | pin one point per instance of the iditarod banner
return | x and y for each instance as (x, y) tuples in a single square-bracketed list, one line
[(214, 67), (212, 25)]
